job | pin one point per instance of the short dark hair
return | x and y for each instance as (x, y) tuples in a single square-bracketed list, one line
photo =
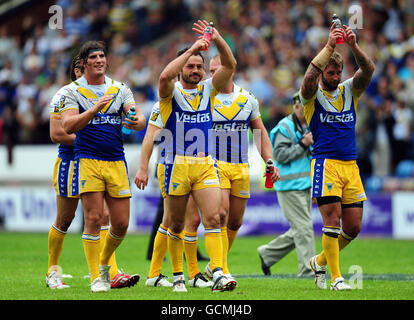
[(90, 46), (76, 63)]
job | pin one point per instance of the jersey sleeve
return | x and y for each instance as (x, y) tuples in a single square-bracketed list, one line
[(308, 105), (127, 96), (69, 102), (57, 103)]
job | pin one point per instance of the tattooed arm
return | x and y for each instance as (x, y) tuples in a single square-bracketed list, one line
[(310, 82), (363, 76), (318, 64)]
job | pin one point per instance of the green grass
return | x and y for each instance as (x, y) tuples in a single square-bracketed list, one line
[(387, 265)]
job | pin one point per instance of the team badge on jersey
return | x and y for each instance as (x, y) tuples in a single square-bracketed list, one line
[(154, 116)]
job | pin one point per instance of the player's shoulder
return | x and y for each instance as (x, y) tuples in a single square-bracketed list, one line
[(347, 83), (66, 89), (116, 83), (156, 106), (248, 94)]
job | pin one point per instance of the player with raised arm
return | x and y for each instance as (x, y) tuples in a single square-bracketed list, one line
[(65, 180), (189, 168), (93, 108), (330, 110)]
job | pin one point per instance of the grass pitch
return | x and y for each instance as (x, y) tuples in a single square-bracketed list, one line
[(387, 268)]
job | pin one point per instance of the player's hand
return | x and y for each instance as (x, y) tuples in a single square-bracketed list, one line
[(276, 174), (199, 45), (307, 139), (350, 36), (131, 123), (201, 25), (141, 179), (102, 102), (334, 34)]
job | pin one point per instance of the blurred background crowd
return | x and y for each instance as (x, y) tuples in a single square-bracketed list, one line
[(273, 42)]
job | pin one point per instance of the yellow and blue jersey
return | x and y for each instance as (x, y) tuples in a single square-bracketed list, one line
[(101, 138), (231, 120), (331, 117), (187, 115)]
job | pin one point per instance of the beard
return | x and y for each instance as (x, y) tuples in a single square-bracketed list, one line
[(330, 85), (194, 79)]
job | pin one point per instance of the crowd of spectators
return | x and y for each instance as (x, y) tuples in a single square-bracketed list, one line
[(273, 42)]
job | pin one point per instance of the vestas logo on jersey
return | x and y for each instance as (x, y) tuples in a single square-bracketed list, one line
[(342, 118), (233, 126), (193, 118), (106, 119)]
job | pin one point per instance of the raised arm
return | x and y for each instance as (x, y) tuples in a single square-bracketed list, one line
[(363, 76), (318, 65), (228, 62)]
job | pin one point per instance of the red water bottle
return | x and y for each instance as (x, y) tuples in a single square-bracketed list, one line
[(338, 25), (269, 172), (208, 32)]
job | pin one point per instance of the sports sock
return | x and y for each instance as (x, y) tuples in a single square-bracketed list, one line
[(55, 246), (343, 241), (113, 271), (214, 247), (176, 250), (231, 234), (331, 248), (225, 243), (110, 244), (91, 248), (190, 249), (158, 252)]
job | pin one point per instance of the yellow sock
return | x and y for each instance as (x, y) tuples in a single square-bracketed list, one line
[(113, 271), (214, 247), (231, 234), (158, 252), (91, 248), (331, 248), (55, 246), (112, 241), (176, 250), (225, 243), (343, 241), (190, 249)]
